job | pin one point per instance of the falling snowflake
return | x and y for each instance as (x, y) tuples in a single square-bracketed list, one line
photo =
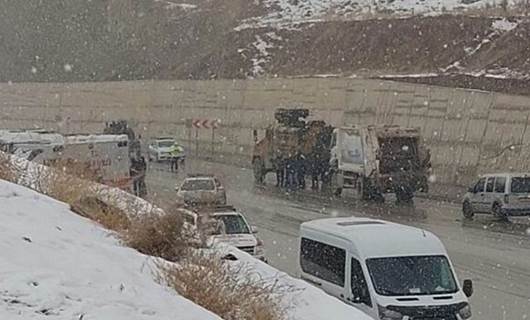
[(33, 70), (405, 148), (432, 178), (67, 67)]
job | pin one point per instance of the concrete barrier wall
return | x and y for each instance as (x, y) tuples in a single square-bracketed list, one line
[(465, 129)]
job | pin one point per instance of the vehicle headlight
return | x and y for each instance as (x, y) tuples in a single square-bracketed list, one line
[(465, 312), (259, 248), (386, 314)]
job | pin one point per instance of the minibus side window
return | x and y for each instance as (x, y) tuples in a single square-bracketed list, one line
[(359, 288), (323, 261)]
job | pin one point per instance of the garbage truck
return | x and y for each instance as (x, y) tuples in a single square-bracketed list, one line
[(378, 159)]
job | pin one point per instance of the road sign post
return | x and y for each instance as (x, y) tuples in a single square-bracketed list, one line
[(205, 124)]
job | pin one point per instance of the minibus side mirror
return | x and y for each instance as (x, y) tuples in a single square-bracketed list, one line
[(471, 189), (468, 288), (356, 293)]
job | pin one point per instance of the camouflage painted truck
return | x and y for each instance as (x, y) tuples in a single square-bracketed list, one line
[(291, 139), (373, 160), (379, 159)]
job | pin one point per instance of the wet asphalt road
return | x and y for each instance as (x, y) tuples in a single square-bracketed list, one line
[(494, 254)]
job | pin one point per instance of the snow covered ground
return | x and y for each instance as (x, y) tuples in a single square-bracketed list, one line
[(286, 13), (57, 264), (304, 302)]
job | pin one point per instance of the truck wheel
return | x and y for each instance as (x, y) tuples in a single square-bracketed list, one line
[(378, 197), (404, 196), (497, 211), (467, 210), (369, 192), (259, 170), (363, 189)]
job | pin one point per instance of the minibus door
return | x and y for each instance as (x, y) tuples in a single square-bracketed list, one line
[(359, 294)]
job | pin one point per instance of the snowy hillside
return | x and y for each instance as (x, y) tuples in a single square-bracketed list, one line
[(305, 301), (55, 263), (285, 13)]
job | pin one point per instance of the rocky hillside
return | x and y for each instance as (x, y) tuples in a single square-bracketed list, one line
[(427, 41)]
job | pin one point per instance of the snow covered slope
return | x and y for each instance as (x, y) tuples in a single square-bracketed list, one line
[(55, 264), (305, 301), (285, 13)]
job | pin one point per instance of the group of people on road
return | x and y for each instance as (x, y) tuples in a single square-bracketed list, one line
[(291, 172)]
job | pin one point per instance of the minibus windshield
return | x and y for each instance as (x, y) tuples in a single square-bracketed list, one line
[(412, 275)]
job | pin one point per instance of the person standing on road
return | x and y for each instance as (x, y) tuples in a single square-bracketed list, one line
[(300, 171), (280, 171), (142, 187), (290, 169), (314, 168), (176, 154), (134, 172)]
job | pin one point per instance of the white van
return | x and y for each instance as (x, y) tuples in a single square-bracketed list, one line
[(389, 271), (500, 194)]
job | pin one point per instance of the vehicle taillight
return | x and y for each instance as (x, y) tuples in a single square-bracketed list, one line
[(506, 198)]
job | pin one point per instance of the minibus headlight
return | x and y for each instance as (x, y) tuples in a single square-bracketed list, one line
[(465, 312), (386, 314)]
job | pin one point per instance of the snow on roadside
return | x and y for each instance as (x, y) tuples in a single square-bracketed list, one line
[(498, 28), (304, 301), (285, 13), (170, 5), (57, 264), (30, 173), (262, 57), (504, 25)]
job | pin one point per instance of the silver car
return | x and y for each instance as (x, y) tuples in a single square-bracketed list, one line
[(201, 189), (501, 194), (160, 149)]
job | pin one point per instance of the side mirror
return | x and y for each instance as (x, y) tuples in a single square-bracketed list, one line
[(177, 189), (254, 229), (471, 189), (468, 288)]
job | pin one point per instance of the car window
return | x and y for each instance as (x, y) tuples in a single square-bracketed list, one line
[(500, 184), (411, 275), (166, 143), (479, 187), (198, 184), (232, 224), (323, 261), (520, 185), (360, 291), (489, 184)]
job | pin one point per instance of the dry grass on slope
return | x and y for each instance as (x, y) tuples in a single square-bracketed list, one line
[(231, 292), (158, 235), (7, 170)]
